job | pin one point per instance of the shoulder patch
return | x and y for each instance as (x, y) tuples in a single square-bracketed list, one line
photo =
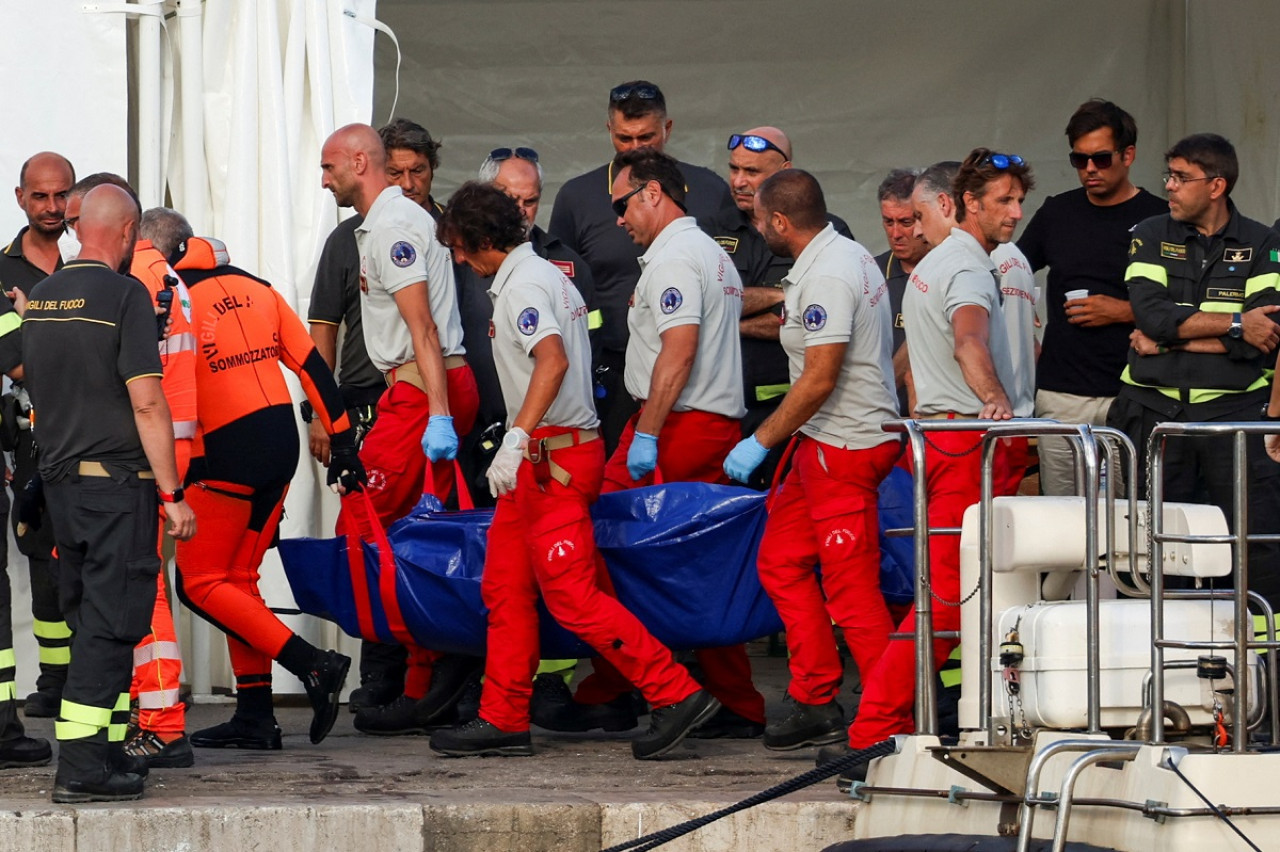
[(403, 254), (528, 321), (1134, 245), (729, 244), (1173, 251), (565, 266), (671, 300), (815, 317)]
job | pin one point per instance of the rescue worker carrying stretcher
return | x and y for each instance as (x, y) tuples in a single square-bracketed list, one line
[(244, 455)]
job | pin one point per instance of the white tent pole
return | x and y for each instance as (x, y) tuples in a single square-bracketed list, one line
[(150, 190), (195, 186)]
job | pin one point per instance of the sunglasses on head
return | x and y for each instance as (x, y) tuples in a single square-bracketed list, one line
[(620, 206), (1102, 159), (644, 91), (754, 143), (500, 154), (1002, 161)]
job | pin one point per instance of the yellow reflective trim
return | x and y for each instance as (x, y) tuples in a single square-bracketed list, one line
[(1153, 271), (60, 656), (950, 677), (99, 717), (8, 659), (8, 691), (50, 629), (122, 703), (1258, 283), (9, 322), (560, 667), (595, 320), (116, 733), (767, 392), (955, 653), (1198, 394), (1221, 307), (74, 730)]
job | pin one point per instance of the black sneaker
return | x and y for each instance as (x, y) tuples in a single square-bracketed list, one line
[(42, 705), (806, 725), (324, 684), (25, 751), (262, 735), (832, 753), (478, 738), (402, 717), (108, 787), (157, 753), (669, 725), (727, 725)]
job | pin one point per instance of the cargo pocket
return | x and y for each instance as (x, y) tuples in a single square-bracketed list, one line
[(139, 597)]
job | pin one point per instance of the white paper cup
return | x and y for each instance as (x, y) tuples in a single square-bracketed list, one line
[(1077, 294)]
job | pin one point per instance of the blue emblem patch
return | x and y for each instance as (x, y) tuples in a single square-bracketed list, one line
[(671, 300), (815, 317), (403, 254), (528, 321)]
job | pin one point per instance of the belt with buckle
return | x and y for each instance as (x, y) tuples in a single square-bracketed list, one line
[(538, 452), (410, 373), (93, 468)]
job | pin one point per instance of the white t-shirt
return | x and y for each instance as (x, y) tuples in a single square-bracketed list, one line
[(533, 300), (1018, 287), (398, 247), (687, 279), (835, 293), (956, 273)]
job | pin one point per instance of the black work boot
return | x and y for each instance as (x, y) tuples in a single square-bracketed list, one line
[(25, 751), (241, 732), (401, 717), (552, 706), (87, 773), (42, 704), (669, 725), (324, 684), (832, 753), (450, 677), (478, 738), (806, 725), (727, 725)]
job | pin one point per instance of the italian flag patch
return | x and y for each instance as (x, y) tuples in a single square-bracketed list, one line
[(1275, 255)]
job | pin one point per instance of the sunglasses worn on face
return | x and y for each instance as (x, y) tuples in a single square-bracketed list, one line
[(620, 206), (500, 154), (1102, 159), (755, 143), (645, 93), (1002, 161)]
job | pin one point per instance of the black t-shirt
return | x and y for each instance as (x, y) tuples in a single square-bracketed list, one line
[(16, 270), (584, 220), (895, 277), (764, 362), (335, 299), (1086, 247), (87, 332), (476, 308)]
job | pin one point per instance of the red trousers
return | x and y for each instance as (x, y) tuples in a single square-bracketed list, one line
[(825, 513), (397, 469), (218, 572), (541, 542), (157, 661), (691, 448), (953, 476)]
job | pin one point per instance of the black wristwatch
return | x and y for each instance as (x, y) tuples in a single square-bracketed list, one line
[(1237, 327)]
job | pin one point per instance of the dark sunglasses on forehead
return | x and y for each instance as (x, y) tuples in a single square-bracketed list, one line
[(1102, 159), (1002, 161), (754, 143), (620, 206), (644, 92), (500, 154)]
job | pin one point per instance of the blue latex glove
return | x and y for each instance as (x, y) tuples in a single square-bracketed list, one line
[(440, 442), (642, 458), (744, 459)]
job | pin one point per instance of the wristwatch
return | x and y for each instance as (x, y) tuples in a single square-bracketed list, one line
[(1267, 418), (511, 440), (1237, 327), (175, 496)]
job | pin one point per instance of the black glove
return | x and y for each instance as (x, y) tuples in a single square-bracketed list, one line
[(345, 468), (28, 503)]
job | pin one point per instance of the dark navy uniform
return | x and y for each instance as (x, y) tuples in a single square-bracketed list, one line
[(896, 279), (36, 543), (476, 307), (764, 364), (1173, 273), (88, 332), (584, 220)]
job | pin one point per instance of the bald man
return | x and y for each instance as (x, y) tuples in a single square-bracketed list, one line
[(754, 157), (106, 440), (413, 332)]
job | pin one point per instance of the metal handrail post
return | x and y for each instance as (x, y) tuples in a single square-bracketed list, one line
[(1155, 562), (1244, 624)]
